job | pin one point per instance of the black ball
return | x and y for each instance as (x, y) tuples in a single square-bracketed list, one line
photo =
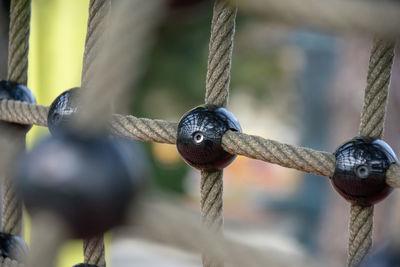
[(360, 173), (13, 247), (14, 91), (61, 110), (84, 265), (200, 133), (86, 181)]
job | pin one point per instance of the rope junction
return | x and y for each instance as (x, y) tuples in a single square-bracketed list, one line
[(331, 15)]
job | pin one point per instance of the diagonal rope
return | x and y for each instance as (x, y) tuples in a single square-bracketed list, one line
[(217, 92), (372, 121), (99, 10), (20, 13), (94, 252)]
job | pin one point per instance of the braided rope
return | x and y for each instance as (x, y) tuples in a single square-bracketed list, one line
[(97, 22), (372, 121), (300, 158), (18, 46), (393, 176), (94, 251), (337, 16), (217, 93), (7, 262), (20, 14), (93, 248)]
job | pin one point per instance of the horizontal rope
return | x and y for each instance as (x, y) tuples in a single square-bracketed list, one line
[(160, 131), (380, 18)]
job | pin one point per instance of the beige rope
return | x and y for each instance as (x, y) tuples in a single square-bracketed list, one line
[(338, 16), (217, 92), (7, 262), (99, 10), (372, 121), (94, 251), (20, 13), (18, 46), (300, 158), (129, 35), (169, 223), (97, 22), (393, 176)]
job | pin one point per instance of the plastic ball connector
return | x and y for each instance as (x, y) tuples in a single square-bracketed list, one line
[(13, 247), (88, 182), (360, 173), (14, 91), (200, 134), (62, 110)]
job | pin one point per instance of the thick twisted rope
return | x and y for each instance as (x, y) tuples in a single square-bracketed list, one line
[(372, 121), (20, 14), (18, 46), (97, 22), (94, 252), (7, 262), (93, 248), (217, 92), (160, 131), (300, 158), (338, 16), (166, 222)]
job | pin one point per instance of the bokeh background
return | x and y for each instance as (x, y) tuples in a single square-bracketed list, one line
[(288, 84)]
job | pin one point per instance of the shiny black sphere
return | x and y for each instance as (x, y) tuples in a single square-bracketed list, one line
[(84, 265), (19, 92), (13, 247), (360, 173), (200, 133), (62, 110), (86, 181)]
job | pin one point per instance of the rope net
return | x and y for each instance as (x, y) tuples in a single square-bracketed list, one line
[(205, 237)]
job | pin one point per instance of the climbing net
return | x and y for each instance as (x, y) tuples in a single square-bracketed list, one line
[(104, 83)]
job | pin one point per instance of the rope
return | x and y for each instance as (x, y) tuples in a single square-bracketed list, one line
[(7, 262), (167, 222), (20, 13), (127, 41), (23, 112), (18, 46), (99, 10), (220, 55), (372, 121), (337, 16), (94, 251), (217, 92), (393, 176), (97, 22), (300, 158)]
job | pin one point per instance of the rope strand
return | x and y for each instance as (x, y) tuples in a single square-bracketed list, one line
[(372, 121), (20, 14)]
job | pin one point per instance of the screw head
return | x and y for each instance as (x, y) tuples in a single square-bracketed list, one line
[(360, 173), (200, 134)]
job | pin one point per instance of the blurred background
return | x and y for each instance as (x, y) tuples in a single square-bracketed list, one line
[(291, 85)]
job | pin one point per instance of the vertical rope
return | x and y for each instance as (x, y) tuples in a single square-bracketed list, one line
[(99, 10), (372, 121), (20, 14), (217, 92)]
